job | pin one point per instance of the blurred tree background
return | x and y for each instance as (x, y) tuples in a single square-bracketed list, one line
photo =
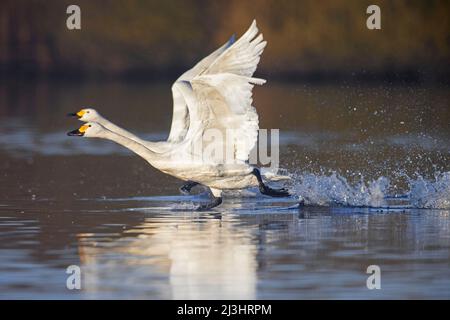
[(324, 39)]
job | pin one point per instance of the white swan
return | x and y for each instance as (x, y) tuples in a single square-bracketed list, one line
[(180, 117), (213, 97)]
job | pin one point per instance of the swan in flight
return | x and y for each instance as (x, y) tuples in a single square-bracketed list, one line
[(212, 112)]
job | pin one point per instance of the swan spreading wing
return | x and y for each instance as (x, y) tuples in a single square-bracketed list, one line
[(180, 118), (220, 97), (240, 58), (225, 104)]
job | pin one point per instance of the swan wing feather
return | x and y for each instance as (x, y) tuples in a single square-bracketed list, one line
[(242, 57), (224, 102), (180, 117)]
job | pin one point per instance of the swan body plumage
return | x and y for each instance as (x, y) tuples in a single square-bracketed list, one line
[(214, 96)]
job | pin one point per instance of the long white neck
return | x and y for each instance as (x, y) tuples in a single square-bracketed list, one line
[(116, 129), (132, 145)]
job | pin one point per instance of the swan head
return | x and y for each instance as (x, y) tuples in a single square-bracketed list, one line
[(86, 115), (88, 130)]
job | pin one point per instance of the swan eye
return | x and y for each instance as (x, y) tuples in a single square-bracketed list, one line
[(87, 111), (90, 126)]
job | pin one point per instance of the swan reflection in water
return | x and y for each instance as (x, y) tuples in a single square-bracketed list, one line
[(314, 253), (188, 258)]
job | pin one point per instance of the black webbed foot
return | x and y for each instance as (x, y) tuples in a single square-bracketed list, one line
[(186, 188), (268, 191), (207, 206)]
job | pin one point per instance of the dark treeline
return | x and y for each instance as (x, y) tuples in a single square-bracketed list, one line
[(159, 39)]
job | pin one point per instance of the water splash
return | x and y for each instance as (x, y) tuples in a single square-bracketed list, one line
[(431, 194), (334, 189)]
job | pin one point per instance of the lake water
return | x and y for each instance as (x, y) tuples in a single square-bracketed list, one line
[(371, 162)]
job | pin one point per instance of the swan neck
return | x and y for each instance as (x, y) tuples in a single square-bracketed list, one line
[(115, 128), (132, 145)]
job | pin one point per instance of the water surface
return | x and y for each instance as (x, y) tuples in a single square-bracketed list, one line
[(372, 163)]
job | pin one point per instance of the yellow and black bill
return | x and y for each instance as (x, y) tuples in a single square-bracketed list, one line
[(78, 114), (78, 132)]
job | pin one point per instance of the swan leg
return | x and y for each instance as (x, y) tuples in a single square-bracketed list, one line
[(186, 188), (216, 200), (266, 190), (206, 206)]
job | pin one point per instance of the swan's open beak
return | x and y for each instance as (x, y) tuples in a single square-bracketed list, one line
[(75, 133), (78, 132), (78, 114)]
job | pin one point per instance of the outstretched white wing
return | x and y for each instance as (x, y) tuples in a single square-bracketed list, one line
[(180, 118), (222, 104), (242, 57), (239, 57), (220, 98)]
